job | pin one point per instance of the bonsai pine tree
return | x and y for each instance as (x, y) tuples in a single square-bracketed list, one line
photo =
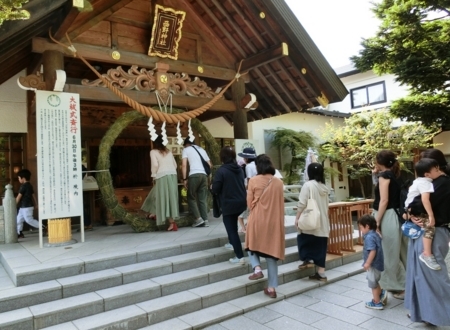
[(363, 135), (11, 10)]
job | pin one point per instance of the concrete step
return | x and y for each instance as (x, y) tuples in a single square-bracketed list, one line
[(209, 304), (213, 261), (43, 272), (110, 284), (124, 293)]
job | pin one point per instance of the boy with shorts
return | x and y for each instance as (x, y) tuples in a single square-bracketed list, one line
[(373, 260)]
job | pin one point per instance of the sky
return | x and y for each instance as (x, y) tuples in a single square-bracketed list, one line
[(336, 26)]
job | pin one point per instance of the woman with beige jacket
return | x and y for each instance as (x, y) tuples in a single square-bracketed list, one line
[(265, 226), (312, 244)]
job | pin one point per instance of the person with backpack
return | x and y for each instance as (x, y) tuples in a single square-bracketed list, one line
[(386, 209)]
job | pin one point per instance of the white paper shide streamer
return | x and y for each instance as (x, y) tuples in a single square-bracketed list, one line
[(179, 138), (164, 134), (151, 129), (190, 132)]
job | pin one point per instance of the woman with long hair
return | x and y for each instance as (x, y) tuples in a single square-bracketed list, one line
[(265, 226), (228, 184), (162, 201), (312, 244), (428, 291), (386, 210)]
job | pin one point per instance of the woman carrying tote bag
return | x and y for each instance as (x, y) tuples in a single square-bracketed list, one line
[(312, 244)]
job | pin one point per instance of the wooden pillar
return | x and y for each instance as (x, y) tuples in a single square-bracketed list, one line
[(240, 128), (51, 60)]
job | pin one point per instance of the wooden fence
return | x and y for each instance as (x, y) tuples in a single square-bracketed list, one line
[(341, 225)]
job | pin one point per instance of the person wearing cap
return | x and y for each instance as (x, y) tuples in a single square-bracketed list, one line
[(196, 182)]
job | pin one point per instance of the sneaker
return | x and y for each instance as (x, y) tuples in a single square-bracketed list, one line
[(317, 276), (20, 235), (228, 246), (383, 297), (430, 262), (237, 261), (373, 305), (198, 222), (206, 223)]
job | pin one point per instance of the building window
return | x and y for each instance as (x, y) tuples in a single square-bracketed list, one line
[(368, 95)]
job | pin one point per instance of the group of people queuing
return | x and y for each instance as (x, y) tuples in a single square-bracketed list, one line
[(412, 267)]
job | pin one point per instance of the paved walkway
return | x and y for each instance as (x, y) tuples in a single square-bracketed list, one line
[(335, 306)]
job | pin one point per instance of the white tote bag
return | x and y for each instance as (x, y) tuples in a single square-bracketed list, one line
[(310, 217)]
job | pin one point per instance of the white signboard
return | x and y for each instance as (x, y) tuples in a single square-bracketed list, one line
[(60, 188)]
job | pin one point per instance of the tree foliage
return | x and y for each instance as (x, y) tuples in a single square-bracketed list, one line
[(11, 10), (413, 43), (363, 135), (297, 143)]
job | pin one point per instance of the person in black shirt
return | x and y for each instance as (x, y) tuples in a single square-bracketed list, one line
[(395, 245), (428, 291), (25, 201)]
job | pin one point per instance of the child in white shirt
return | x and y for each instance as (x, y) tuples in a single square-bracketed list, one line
[(427, 170)]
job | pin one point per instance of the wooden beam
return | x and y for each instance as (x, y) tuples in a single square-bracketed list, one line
[(97, 19), (102, 94), (103, 54), (264, 57), (65, 25)]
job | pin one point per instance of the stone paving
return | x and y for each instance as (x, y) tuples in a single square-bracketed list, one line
[(336, 306)]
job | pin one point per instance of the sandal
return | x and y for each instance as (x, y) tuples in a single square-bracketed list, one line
[(150, 216)]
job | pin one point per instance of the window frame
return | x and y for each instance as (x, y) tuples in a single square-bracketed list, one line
[(366, 87)]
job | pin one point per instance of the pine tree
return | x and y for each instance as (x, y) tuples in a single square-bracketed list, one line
[(413, 43), (363, 135), (11, 10)]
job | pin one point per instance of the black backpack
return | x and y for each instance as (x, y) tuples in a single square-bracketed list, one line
[(404, 186)]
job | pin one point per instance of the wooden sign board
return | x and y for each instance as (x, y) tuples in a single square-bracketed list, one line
[(166, 32)]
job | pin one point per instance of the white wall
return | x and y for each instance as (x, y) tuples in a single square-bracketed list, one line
[(13, 106), (393, 91), (219, 128), (296, 121), (443, 138)]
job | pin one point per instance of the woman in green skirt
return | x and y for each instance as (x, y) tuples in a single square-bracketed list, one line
[(162, 201)]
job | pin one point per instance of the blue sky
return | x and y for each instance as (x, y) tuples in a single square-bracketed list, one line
[(336, 26)]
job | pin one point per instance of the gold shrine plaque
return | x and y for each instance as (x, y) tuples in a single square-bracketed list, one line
[(163, 79), (166, 32)]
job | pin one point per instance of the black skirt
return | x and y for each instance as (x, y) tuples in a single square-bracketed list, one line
[(312, 247)]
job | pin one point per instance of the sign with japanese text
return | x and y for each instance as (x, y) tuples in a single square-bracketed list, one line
[(166, 32), (58, 139)]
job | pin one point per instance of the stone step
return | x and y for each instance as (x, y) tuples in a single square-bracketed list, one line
[(37, 273), (212, 303), (152, 294), (216, 267)]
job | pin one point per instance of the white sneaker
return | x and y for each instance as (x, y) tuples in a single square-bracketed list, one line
[(206, 223), (430, 261), (228, 246), (237, 261), (198, 222)]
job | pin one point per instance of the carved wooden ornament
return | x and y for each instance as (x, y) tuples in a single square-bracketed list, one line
[(166, 32)]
